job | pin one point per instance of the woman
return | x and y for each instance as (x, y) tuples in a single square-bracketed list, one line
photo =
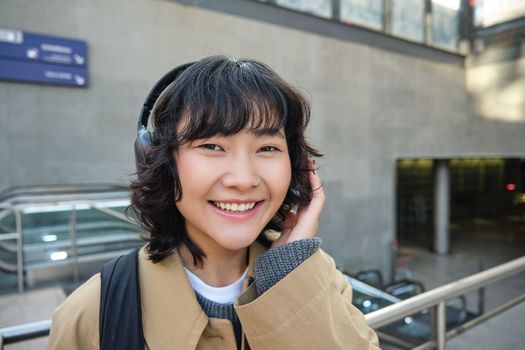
[(229, 197)]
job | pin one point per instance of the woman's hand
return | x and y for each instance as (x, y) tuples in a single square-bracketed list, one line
[(303, 223)]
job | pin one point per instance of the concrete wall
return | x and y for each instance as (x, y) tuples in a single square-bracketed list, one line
[(370, 107), (498, 87)]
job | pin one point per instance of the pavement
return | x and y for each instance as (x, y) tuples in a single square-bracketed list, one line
[(31, 306)]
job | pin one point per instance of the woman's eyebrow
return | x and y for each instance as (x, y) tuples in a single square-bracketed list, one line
[(278, 132)]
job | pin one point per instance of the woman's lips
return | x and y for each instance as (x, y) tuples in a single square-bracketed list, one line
[(233, 215)]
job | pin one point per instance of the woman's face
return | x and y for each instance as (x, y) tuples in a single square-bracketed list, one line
[(231, 187)]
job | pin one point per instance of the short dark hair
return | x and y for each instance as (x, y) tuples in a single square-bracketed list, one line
[(216, 96)]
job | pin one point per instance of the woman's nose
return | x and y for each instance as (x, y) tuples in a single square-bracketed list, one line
[(240, 174)]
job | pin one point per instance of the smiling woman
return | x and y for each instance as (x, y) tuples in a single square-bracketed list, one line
[(227, 163), (229, 106)]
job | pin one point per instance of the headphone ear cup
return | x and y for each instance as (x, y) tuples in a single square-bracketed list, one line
[(142, 143)]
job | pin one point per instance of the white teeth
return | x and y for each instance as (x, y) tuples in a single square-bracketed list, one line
[(234, 206)]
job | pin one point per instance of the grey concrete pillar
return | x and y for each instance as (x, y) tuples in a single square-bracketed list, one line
[(441, 206)]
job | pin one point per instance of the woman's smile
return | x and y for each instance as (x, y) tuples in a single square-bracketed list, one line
[(236, 209)]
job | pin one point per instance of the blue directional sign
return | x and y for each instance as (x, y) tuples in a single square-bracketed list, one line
[(30, 57)]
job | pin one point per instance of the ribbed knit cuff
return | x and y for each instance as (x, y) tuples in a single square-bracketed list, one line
[(278, 262)]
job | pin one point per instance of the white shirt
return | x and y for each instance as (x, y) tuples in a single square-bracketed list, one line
[(221, 295)]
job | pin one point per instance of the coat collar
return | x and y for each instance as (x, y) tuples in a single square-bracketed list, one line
[(172, 317)]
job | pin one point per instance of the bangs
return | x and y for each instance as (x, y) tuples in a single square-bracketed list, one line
[(230, 114), (233, 96)]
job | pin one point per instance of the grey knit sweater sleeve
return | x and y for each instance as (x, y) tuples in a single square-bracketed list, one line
[(276, 263)]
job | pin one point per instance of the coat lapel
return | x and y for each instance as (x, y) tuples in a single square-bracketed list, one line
[(172, 317)]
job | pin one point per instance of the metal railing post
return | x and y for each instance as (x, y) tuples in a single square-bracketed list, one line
[(433, 324), (441, 325), (481, 292), (19, 250), (74, 248)]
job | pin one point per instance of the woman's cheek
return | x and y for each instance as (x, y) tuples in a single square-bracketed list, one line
[(281, 174)]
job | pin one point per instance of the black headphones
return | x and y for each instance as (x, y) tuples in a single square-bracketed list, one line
[(144, 136)]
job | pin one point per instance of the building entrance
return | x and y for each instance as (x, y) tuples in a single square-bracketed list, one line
[(477, 189)]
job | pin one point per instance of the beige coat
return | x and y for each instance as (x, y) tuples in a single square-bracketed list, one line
[(308, 309)]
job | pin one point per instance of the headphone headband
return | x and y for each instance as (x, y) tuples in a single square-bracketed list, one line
[(155, 92), (144, 136)]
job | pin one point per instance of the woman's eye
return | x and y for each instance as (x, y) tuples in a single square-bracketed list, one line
[(268, 149), (211, 147)]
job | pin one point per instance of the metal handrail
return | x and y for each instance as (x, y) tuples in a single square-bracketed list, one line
[(376, 319), (59, 190), (474, 322), (435, 299), (17, 235), (73, 206), (112, 213), (27, 331), (68, 204)]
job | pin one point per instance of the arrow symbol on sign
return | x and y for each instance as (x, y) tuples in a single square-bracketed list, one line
[(78, 59), (32, 52), (79, 80)]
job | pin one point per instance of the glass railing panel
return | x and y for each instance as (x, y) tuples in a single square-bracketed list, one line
[(96, 232), (367, 303), (45, 226), (7, 221)]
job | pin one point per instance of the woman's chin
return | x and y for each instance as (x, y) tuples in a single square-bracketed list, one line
[(235, 243)]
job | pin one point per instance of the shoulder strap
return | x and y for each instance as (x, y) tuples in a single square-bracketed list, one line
[(120, 307)]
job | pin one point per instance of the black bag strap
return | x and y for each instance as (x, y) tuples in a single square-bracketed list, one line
[(120, 307)]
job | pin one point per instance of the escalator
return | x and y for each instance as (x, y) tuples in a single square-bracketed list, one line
[(65, 230)]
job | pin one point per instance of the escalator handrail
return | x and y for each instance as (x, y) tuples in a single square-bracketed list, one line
[(36, 191)]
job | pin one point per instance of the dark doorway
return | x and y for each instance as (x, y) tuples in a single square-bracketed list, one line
[(489, 189)]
